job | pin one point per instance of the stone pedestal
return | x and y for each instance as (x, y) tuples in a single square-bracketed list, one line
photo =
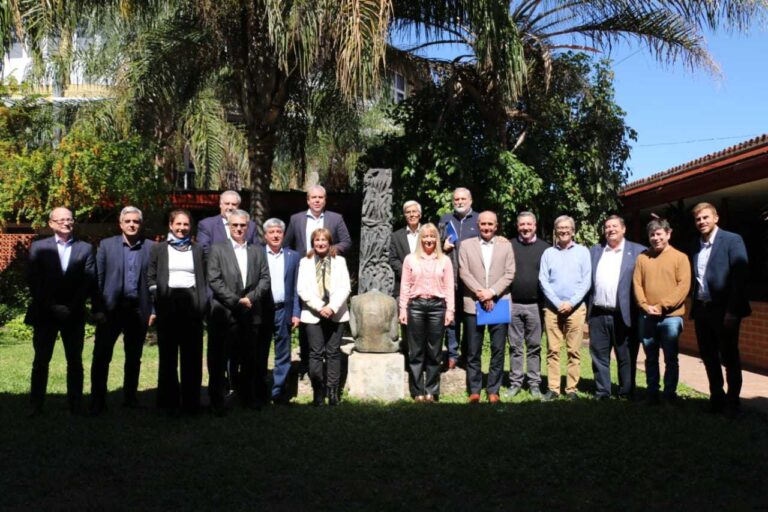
[(376, 376)]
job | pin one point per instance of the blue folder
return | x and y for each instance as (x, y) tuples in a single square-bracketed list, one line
[(450, 233), (500, 314)]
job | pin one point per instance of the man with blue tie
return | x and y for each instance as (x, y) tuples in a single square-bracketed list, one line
[(61, 275), (213, 230), (719, 266), (125, 307), (297, 237), (612, 307), (281, 309)]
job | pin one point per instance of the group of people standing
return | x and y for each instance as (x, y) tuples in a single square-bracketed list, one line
[(457, 279), (454, 278)]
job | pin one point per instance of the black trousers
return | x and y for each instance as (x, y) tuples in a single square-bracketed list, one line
[(43, 339), (180, 344), (719, 345), (125, 319), (606, 331), (324, 340), (426, 325), (475, 333), (236, 341)]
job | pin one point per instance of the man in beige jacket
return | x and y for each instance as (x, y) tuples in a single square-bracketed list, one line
[(486, 267)]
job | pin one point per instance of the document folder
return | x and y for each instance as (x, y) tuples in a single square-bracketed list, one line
[(500, 314)]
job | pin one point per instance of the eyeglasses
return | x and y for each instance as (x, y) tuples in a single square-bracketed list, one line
[(63, 221), (131, 221), (236, 225)]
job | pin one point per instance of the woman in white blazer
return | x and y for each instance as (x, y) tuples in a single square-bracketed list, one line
[(323, 287)]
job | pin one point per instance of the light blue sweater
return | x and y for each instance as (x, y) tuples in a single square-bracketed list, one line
[(565, 274)]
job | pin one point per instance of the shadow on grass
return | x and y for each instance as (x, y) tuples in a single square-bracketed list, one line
[(527, 455)]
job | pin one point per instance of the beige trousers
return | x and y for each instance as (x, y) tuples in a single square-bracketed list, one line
[(569, 327)]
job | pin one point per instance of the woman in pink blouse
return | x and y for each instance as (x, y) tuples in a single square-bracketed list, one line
[(426, 307)]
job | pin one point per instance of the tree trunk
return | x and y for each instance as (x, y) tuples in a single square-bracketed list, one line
[(261, 151)]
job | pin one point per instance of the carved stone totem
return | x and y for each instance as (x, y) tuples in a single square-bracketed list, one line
[(375, 272)]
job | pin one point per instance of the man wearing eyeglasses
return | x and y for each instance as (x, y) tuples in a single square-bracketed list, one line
[(125, 307), (61, 275)]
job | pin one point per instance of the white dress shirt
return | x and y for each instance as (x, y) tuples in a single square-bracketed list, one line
[(607, 276), (241, 253), (313, 224), (412, 237), (276, 262), (705, 251), (65, 251), (226, 228), (486, 248)]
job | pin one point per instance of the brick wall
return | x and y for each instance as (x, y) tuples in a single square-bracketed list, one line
[(13, 246), (753, 338)]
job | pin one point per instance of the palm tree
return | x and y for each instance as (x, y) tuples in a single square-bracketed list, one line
[(509, 42), (250, 51)]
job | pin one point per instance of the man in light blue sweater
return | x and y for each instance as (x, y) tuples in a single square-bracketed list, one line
[(565, 276)]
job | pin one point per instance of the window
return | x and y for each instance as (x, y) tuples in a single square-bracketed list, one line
[(398, 87)]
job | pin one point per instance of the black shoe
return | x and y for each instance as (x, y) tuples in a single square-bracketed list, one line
[(97, 407), (716, 406), (34, 411), (131, 402), (652, 399), (602, 398), (550, 396), (318, 396), (733, 411), (333, 396), (75, 408), (535, 393), (572, 396)]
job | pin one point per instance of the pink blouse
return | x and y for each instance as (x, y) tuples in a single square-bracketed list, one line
[(427, 277)]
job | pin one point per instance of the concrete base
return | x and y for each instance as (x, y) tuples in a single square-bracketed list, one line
[(376, 376)]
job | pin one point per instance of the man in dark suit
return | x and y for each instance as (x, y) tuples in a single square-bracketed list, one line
[(455, 227), (300, 227), (612, 308), (403, 241), (125, 306), (61, 275), (281, 310), (719, 266), (302, 224), (239, 278), (213, 230)]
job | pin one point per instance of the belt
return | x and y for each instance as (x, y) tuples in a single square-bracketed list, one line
[(279, 305), (601, 310)]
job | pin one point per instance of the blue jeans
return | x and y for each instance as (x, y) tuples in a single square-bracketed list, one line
[(655, 331)]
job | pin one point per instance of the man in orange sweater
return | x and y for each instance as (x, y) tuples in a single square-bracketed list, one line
[(661, 280)]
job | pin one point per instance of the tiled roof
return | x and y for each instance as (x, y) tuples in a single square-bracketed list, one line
[(711, 158)]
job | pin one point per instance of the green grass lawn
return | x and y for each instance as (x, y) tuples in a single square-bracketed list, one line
[(523, 455)]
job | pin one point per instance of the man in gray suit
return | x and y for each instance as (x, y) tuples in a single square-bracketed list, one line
[(403, 241), (612, 308), (239, 278)]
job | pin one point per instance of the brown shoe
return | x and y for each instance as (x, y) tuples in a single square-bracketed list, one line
[(451, 364), (474, 398), (493, 398)]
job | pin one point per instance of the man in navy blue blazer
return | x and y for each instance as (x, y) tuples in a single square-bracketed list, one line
[(213, 230), (300, 227), (61, 275), (302, 224), (125, 306), (719, 267), (612, 308), (281, 308)]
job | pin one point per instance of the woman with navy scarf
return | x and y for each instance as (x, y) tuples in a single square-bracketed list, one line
[(176, 278)]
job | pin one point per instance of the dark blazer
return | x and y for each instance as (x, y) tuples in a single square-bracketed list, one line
[(398, 250), (157, 275), (227, 284), (49, 286), (726, 273), (626, 299), (296, 237), (290, 275), (211, 231), (109, 274)]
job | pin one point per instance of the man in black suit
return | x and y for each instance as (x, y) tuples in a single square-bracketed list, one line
[(125, 307), (403, 241), (300, 227), (239, 278), (213, 230), (719, 267), (61, 275)]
